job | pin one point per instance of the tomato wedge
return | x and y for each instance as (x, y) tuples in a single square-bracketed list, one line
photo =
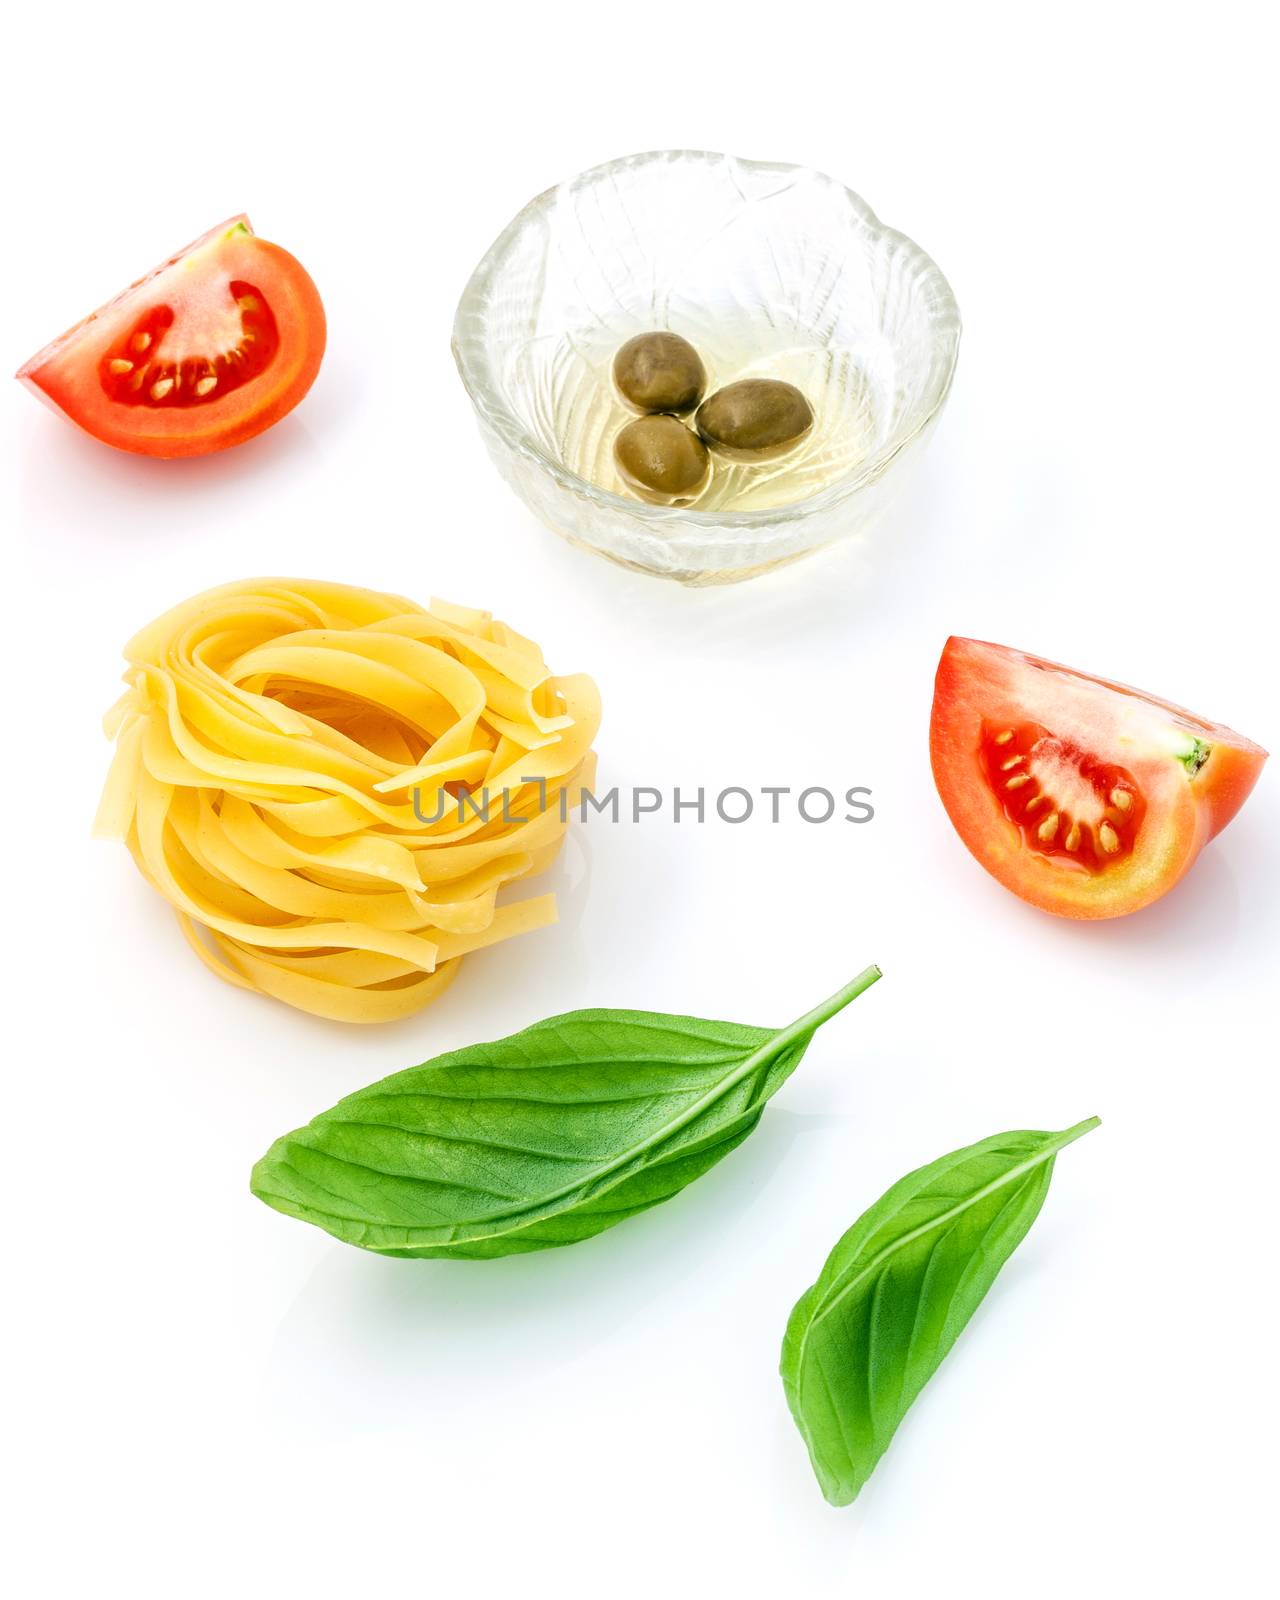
[(1085, 797), (205, 352)]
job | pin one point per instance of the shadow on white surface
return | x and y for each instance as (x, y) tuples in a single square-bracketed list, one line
[(70, 480), (818, 595), (373, 1343), (66, 468), (1199, 916)]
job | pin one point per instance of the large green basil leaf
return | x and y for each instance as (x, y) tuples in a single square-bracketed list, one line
[(896, 1292), (541, 1139)]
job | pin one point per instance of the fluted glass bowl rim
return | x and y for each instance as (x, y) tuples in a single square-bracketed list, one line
[(485, 391)]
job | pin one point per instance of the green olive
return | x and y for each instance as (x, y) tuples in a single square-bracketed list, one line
[(659, 372), (662, 461), (754, 419)]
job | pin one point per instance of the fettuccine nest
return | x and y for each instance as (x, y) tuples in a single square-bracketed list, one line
[(331, 786)]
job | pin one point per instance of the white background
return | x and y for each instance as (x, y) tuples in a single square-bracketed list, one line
[(209, 1399)]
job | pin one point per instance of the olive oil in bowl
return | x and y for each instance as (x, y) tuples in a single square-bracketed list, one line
[(587, 414)]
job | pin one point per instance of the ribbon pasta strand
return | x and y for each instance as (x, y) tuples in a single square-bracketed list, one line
[(332, 786)]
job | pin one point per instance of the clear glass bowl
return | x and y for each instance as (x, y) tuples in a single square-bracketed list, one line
[(769, 270)]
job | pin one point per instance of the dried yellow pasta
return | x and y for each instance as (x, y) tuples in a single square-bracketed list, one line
[(331, 786)]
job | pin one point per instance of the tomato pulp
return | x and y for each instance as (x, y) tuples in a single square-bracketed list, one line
[(205, 352), (1085, 797)]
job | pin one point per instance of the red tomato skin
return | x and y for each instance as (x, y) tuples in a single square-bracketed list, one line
[(1237, 772), (59, 377), (976, 679)]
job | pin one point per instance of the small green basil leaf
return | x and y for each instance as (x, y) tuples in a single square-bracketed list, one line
[(896, 1292), (541, 1139)]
